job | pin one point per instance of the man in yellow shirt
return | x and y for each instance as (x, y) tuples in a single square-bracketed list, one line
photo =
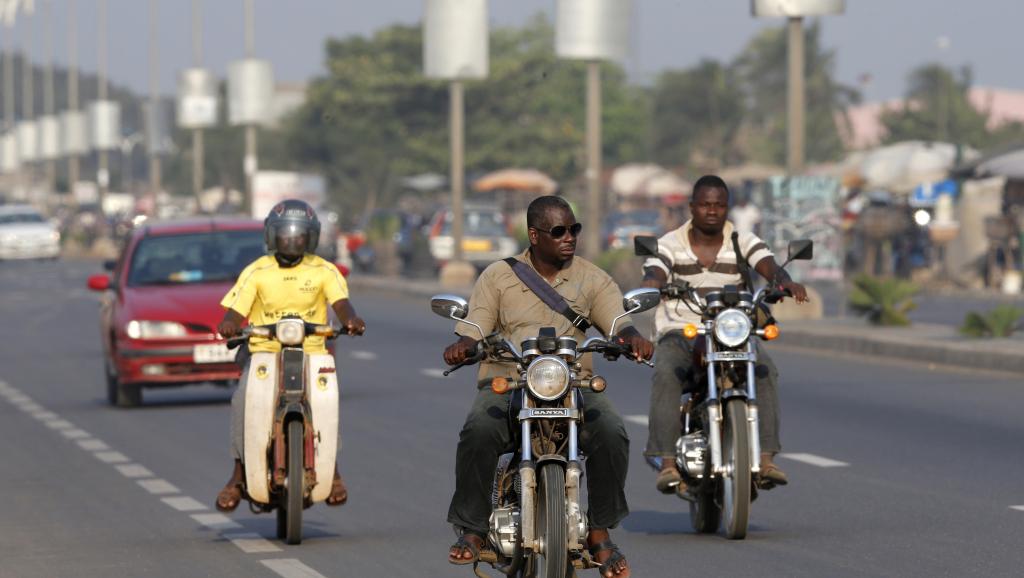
[(290, 281)]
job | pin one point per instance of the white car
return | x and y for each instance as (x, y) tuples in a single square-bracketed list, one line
[(26, 234)]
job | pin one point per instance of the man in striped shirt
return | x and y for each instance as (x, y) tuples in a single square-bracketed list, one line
[(701, 253)]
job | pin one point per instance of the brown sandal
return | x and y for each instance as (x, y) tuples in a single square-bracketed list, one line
[(229, 498), (337, 485)]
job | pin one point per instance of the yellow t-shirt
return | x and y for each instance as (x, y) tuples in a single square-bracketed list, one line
[(265, 292)]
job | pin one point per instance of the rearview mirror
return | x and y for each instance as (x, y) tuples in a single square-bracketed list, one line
[(645, 246), (449, 306), (801, 250), (99, 282), (640, 300)]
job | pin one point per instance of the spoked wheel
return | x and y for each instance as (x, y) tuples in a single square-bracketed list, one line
[(553, 560), (705, 515), (736, 479), (293, 495)]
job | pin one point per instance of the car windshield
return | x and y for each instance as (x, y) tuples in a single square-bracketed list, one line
[(478, 223), (194, 258), (18, 218)]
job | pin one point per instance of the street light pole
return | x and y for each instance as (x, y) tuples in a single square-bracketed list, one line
[(795, 97), (73, 169), (48, 96), (592, 241), (250, 165), (154, 100), (103, 172), (197, 133), (456, 117)]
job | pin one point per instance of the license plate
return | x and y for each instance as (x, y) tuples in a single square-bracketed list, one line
[(212, 353), (476, 245)]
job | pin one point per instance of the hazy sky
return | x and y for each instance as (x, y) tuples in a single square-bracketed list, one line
[(882, 38)]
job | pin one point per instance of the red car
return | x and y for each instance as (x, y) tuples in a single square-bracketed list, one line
[(161, 304)]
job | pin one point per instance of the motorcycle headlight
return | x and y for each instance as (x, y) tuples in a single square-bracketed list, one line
[(548, 378), (154, 329), (290, 331), (732, 327)]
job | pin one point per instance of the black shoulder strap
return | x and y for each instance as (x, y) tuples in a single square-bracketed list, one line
[(741, 261), (547, 293)]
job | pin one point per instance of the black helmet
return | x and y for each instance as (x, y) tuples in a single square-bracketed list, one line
[(289, 218)]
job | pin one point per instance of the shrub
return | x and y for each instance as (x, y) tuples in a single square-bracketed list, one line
[(883, 301), (1000, 322)]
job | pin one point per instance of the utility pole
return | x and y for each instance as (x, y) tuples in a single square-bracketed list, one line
[(154, 101), (103, 172), (592, 242), (49, 108), (251, 164), (73, 174), (795, 105), (197, 133)]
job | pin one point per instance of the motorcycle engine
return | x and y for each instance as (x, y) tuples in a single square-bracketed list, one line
[(691, 452), (504, 532)]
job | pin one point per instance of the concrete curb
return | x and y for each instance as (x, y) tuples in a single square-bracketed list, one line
[(926, 343)]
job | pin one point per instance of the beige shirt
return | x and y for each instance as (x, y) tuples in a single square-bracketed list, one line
[(675, 248), (501, 302)]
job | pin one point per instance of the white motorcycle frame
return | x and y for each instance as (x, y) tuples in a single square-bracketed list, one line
[(321, 385)]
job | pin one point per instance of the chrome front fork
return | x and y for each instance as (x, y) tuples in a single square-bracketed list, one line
[(714, 410)]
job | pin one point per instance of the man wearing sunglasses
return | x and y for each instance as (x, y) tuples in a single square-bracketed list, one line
[(502, 302)]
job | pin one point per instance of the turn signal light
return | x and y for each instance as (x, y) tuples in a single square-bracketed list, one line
[(771, 332), (598, 384), (499, 385), (690, 331)]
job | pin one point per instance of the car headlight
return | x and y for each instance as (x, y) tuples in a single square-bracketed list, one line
[(732, 327), (154, 329), (548, 378), (290, 331)]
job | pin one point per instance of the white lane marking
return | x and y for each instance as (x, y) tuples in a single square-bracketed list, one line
[(432, 372), (1018, 508), (252, 543), (158, 486), (112, 457), (60, 424), (29, 407), (43, 415), (134, 471), (291, 568), (93, 445), (17, 397), (363, 355), (184, 504), (216, 521), (75, 434), (637, 419), (814, 460)]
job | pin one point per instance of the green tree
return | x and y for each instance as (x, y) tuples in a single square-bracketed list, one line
[(936, 107), (698, 112), (762, 69)]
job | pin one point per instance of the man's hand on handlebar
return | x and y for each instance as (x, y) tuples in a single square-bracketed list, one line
[(640, 348), (231, 325), (799, 291), (459, 351), (354, 326)]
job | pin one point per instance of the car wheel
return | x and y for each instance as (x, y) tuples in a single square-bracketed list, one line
[(122, 395)]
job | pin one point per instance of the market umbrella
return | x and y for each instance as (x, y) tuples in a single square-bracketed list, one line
[(1009, 164), (647, 180), (903, 166), (527, 180)]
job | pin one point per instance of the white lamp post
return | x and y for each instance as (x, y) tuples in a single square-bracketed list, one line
[(593, 30), (795, 11), (197, 100), (455, 48)]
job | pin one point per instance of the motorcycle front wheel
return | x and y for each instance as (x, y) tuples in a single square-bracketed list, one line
[(553, 560), (736, 479), (289, 512), (705, 515)]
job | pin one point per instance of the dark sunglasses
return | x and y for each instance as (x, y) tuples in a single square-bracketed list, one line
[(559, 231)]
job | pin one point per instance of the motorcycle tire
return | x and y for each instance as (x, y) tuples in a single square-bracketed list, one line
[(553, 561), (736, 481), (293, 489), (705, 515)]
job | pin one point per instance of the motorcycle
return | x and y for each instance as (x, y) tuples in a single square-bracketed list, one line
[(291, 424), (538, 525), (719, 453)]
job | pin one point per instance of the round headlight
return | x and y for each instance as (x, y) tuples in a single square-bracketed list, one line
[(290, 331), (732, 327), (548, 378)]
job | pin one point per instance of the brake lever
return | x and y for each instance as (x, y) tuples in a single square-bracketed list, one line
[(468, 361)]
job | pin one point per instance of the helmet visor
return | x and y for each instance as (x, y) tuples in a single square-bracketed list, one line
[(291, 229)]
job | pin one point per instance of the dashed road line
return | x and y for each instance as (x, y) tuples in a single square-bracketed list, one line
[(216, 521), (252, 543), (134, 471), (158, 487), (363, 355), (1018, 508), (291, 568), (249, 543), (821, 462), (431, 372), (637, 419), (184, 504)]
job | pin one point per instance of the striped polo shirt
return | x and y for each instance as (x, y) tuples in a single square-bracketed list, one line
[(684, 266)]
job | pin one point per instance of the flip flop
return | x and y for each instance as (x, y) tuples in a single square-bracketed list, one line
[(335, 486), (231, 495), (615, 557), (463, 544)]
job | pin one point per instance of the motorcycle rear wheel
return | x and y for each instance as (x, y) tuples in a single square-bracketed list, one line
[(705, 515), (551, 525), (736, 480), (293, 495)]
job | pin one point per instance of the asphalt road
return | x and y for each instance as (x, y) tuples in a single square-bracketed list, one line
[(896, 470)]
